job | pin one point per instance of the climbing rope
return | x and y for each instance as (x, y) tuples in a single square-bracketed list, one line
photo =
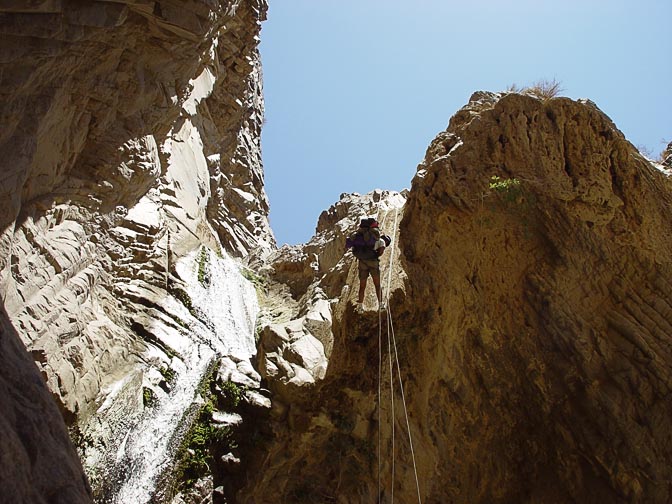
[(392, 344), (380, 375), (389, 352), (380, 365), (403, 400)]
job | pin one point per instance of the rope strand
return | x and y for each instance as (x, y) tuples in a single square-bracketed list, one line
[(390, 330), (403, 400), (380, 375), (391, 345), (380, 360), (389, 352)]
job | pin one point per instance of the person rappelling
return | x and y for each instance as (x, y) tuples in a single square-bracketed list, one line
[(367, 245)]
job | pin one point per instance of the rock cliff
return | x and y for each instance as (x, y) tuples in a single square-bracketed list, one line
[(547, 324), (527, 281), (131, 137), (528, 286)]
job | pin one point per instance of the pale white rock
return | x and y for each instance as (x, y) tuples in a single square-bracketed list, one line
[(318, 323), (202, 86), (301, 376), (275, 336), (269, 368), (295, 328), (257, 399), (223, 419), (146, 213), (308, 352), (230, 458), (226, 367), (238, 378), (187, 172), (245, 367)]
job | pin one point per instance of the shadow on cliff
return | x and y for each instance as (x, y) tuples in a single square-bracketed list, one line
[(39, 462)]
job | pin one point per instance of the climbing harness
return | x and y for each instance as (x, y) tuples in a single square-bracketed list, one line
[(392, 345)]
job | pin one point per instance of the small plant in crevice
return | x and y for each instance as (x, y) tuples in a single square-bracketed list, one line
[(259, 282), (149, 399), (202, 436), (205, 441), (168, 374), (203, 268), (517, 200), (183, 297), (509, 190), (196, 453), (182, 323), (232, 394)]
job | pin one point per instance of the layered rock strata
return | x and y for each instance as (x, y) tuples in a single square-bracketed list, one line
[(38, 461), (550, 309), (319, 366), (130, 138), (528, 295)]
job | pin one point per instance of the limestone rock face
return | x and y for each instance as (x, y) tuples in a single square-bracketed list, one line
[(294, 355), (319, 365), (130, 138), (528, 288), (542, 321), (300, 265), (38, 461)]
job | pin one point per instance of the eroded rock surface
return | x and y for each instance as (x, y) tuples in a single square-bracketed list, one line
[(39, 463), (548, 325), (529, 295), (319, 366), (130, 138)]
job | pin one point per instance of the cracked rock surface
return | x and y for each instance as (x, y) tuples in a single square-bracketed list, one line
[(529, 293), (130, 137)]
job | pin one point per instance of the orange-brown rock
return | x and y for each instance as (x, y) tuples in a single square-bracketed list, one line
[(547, 324), (530, 302)]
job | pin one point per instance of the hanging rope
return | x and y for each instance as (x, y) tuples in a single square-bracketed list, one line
[(380, 365), (380, 374), (389, 352), (389, 273), (392, 344), (403, 400)]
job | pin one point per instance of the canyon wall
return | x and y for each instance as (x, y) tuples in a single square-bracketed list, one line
[(130, 138), (550, 363), (527, 283), (528, 291)]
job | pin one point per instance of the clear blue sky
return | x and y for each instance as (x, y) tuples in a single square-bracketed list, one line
[(356, 89)]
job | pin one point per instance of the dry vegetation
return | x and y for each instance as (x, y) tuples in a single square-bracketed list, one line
[(543, 89)]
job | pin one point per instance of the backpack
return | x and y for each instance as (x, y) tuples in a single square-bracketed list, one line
[(363, 241)]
